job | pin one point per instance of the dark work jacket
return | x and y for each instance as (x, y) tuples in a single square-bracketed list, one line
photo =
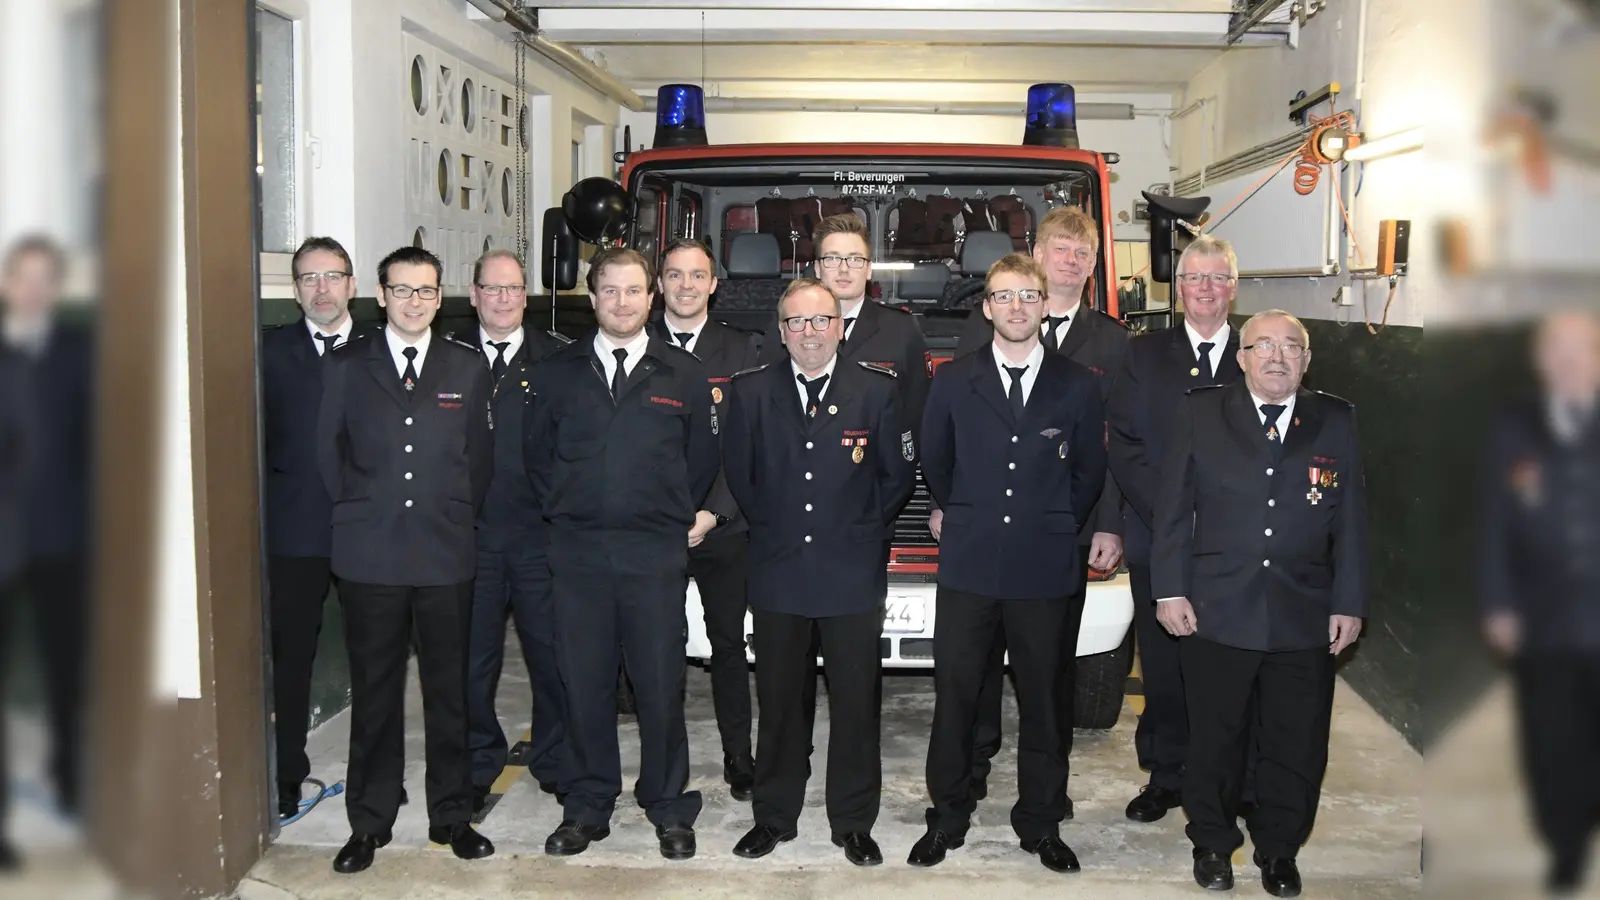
[(722, 351), (1098, 343), (510, 515), (1540, 530), (889, 337), (1014, 494), (1238, 533), (20, 460), (821, 493), (641, 464), (1160, 368), (299, 510), (58, 408), (407, 473)]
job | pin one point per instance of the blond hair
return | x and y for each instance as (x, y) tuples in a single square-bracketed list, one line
[(1069, 222), (1016, 264)]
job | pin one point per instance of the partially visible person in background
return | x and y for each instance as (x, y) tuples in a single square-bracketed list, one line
[(48, 377), (1540, 574)]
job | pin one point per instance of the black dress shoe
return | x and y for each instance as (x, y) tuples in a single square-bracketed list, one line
[(1068, 814), (571, 838), (462, 840), (859, 848), (10, 859), (1212, 870), (1280, 877), (356, 855), (761, 840), (1565, 876), (1054, 853), (929, 849), (1153, 803), (404, 797), (677, 841), (739, 773), (288, 799)]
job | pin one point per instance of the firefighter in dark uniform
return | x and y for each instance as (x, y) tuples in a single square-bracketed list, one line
[(622, 450), (1066, 249), (721, 537), (819, 457), (1260, 569), (405, 447), (513, 572), (1014, 452), (1540, 574), (1161, 367), (298, 509)]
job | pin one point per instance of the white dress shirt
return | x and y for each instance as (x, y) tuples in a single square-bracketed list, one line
[(1062, 328), (514, 340), (849, 312), (396, 345), (801, 389), (29, 337), (1034, 360), (1217, 341), (694, 333), (1568, 419), (343, 331), (603, 348)]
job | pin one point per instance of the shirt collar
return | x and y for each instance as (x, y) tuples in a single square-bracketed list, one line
[(1220, 339), (396, 345), (672, 330), (1034, 360), (848, 311), (343, 331), (1070, 314), (32, 336), (514, 339), (1284, 417), (604, 345), (826, 370)]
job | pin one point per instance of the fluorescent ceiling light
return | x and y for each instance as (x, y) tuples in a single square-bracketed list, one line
[(1388, 145)]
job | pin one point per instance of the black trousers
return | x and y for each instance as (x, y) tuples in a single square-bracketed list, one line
[(962, 644), (379, 621), (615, 591), (784, 664), (1558, 704), (519, 581), (55, 589), (719, 569), (986, 732), (1163, 733), (1294, 694), (297, 587)]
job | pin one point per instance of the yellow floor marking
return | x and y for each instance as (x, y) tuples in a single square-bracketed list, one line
[(1238, 857), (1136, 703), (509, 776)]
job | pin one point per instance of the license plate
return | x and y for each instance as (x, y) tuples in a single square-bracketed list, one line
[(903, 615)]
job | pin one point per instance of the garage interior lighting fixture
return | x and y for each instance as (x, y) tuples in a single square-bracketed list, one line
[(1388, 145)]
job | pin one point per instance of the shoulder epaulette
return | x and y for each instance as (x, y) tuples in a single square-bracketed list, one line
[(461, 343), (737, 328), (559, 336), (1204, 387), (896, 309), (1335, 397), (874, 367), (354, 338), (753, 369)]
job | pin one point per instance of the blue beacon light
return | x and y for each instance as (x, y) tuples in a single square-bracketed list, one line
[(680, 116), (1052, 117)]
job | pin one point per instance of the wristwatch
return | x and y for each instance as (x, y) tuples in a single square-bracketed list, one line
[(721, 519)]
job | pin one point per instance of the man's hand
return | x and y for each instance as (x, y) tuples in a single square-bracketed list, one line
[(1342, 632), (703, 523), (936, 522), (1503, 630), (1177, 616), (1105, 551)]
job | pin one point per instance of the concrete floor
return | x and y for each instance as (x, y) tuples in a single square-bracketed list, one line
[(1366, 845)]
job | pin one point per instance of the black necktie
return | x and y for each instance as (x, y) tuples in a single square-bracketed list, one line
[(813, 391), (847, 325), (1205, 364), (621, 373), (328, 340), (1272, 411), (1050, 323), (1015, 393), (409, 379), (684, 337), (498, 368)]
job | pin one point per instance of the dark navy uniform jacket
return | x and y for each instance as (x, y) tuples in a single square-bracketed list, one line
[(407, 472), (642, 463), (299, 510), (510, 515), (1266, 546), (821, 493), (1015, 494)]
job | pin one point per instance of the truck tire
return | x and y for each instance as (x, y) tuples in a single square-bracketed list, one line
[(1102, 680)]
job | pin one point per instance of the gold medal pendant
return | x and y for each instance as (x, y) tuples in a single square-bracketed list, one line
[(858, 454)]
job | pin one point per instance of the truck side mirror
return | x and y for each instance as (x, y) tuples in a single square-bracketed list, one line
[(1165, 214), (560, 252)]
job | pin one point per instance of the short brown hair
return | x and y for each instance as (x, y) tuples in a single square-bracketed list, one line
[(1016, 264), (326, 245), (618, 256), (1070, 222), (496, 253), (683, 243), (843, 223), (806, 282)]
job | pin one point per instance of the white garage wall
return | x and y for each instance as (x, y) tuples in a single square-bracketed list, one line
[(1140, 142)]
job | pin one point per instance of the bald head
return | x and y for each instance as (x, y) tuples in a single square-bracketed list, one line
[(1566, 353)]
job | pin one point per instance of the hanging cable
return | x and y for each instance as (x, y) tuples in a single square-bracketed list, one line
[(324, 792)]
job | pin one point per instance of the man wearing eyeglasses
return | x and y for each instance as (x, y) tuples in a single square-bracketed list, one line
[(720, 540), (1260, 570), (1067, 249), (299, 512), (820, 458), (621, 447), (513, 572), (406, 451), (1014, 453), (1161, 367)]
